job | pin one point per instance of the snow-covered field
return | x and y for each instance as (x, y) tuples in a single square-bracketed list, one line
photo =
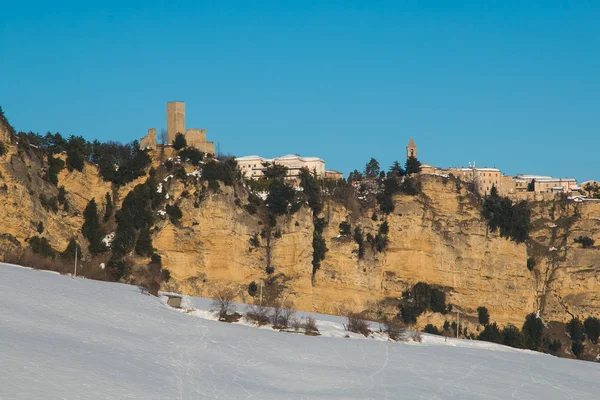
[(64, 338)]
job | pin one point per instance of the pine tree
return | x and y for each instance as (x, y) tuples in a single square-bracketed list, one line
[(91, 228), (143, 247), (180, 142), (412, 166)]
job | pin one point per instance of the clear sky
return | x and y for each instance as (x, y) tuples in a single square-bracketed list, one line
[(510, 84)]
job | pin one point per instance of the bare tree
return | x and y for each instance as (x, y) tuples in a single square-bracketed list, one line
[(394, 329), (357, 324), (310, 325), (223, 302), (163, 137), (296, 323), (258, 313), (287, 313)]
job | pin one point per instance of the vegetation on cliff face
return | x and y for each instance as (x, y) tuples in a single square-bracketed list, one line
[(511, 220)]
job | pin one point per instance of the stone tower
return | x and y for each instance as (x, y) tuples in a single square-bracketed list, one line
[(411, 149), (175, 119)]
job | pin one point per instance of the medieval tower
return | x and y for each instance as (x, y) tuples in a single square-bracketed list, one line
[(411, 149), (175, 119)]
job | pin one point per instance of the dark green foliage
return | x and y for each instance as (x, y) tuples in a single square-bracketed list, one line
[(532, 330), (391, 186), (396, 170), (591, 325), (252, 289), (345, 228), (254, 240), (72, 247), (355, 176), (312, 189), (410, 186), (575, 330), (180, 173), (585, 241), (220, 171), (277, 234), (372, 168), (279, 197), (554, 346), (143, 246), (166, 275), (491, 333), (483, 315), (55, 165), (319, 246), (40, 245), (437, 300), (61, 195), (513, 221), (577, 349), (91, 228), (174, 213), (420, 298), (213, 185), (156, 259), (180, 142), (374, 216), (4, 121), (117, 269), (78, 151), (412, 166), (40, 227), (108, 208), (384, 228), (269, 269), (429, 328), (192, 155), (120, 163), (359, 239), (49, 203), (3, 148), (511, 336), (531, 263), (274, 171)]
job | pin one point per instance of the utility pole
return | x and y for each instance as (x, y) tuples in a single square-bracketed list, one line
[(75, 268), (261, 285)]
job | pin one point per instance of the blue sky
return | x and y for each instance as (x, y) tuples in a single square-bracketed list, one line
[(510, 84)]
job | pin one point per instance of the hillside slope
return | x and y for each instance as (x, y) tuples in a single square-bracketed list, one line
[(81, 339)]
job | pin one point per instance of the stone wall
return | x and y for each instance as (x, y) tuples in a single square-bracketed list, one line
[(149, 141)]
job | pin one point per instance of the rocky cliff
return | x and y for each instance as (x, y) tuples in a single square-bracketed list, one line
[(436, 237)]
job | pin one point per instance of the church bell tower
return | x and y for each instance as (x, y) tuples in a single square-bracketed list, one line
[(411, 149)]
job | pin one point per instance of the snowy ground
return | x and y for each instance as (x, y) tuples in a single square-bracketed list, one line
[(64, 338)]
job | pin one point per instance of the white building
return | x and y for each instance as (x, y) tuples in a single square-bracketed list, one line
[(253, 167)]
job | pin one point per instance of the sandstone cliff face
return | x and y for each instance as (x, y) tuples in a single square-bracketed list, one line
[(437, 237)]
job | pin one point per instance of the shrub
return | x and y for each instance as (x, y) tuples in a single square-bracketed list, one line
[(585, 241), (438, 301), (254, 240), (296, 323), (55, 165), (319, 245), (310, 325), (358, 238), (61, 195), (554, 346), (531, 263), (591, 325), (78, 150), (220, 171), (258, 314), (345, 228), (41, 246), (483, 315), (269, 269), (117, 269), (40, 227), (49, 203), (430, 328), (287, 315), (394, 329), (223, 302), (355, 323), (108, 207), (72, 248), (279, 197), (252, 289), (180, 142), (3, 149), (174, 213), (192, 155)]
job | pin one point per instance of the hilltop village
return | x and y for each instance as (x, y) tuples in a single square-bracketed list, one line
[(519, 187)]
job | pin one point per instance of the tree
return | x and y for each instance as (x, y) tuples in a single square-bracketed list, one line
[(143, 246), (532, 330), (355, 176), (491, 333), (412, 166), (274, 170), (223, 302), (575, 330), (396, 170), (252, 289), (174, 213), (372, 168), (591, 325), (180, 142), (78, 150), (483, 315), (55, 165), (91, 228), (40, 245), (72, 248), (3, 148), (109, 207), (345, 228), (312, 189), (279, 197), (511, 336), (585, 241)]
